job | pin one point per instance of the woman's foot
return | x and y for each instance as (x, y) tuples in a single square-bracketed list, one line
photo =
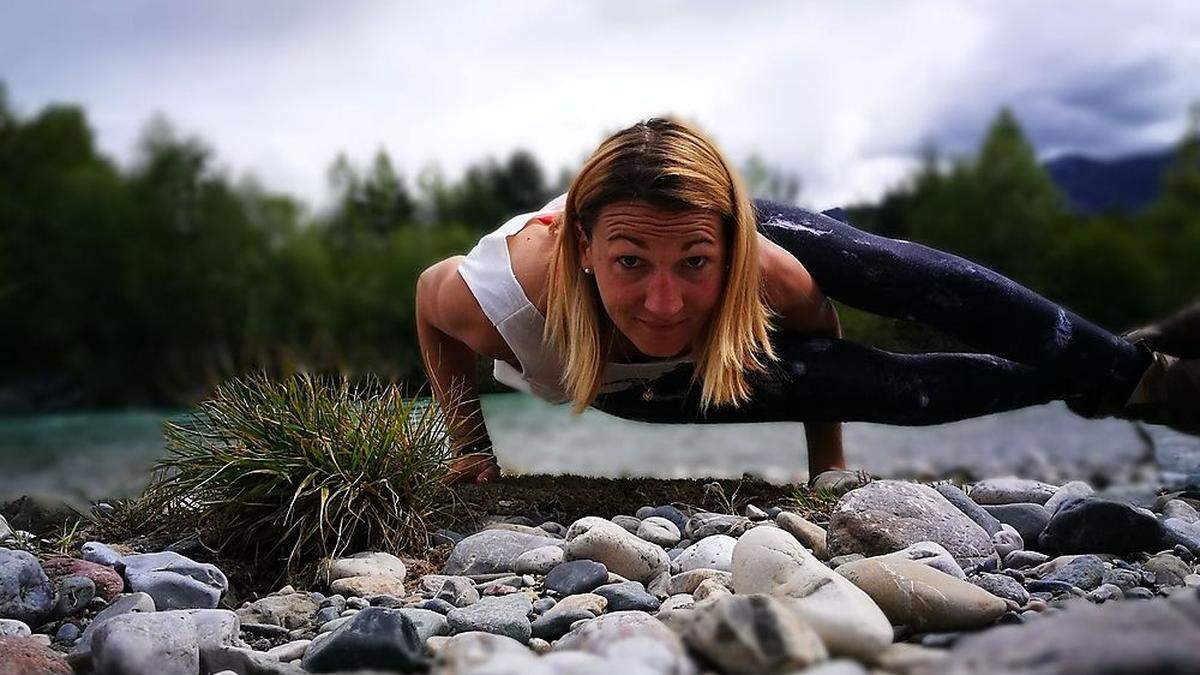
[(472, 467), (1168, 393), (1177, 335), (839, 481)]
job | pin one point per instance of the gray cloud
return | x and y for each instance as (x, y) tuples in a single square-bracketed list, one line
[(843, 94)]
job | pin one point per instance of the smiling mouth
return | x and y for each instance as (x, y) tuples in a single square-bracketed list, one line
[(659, 326)]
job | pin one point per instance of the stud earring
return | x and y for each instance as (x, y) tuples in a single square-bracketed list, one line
[(587, 270)]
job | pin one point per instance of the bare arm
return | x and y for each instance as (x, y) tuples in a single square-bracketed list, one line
[(449, 362), (804, 308)]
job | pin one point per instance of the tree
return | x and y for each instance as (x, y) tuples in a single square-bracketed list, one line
[(765, 181)]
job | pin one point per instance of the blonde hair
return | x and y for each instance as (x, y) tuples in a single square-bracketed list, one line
[(670, 164)]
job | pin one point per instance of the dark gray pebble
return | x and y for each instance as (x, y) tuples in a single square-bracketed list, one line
[(576, 576), (629, 595), (556, 624), (375, 638)]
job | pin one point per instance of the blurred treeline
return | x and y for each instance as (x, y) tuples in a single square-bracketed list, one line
[(153, 283), (1001, 208)]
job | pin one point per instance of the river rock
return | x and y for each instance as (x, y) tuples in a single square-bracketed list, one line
[(970, 509), (1106, 592), (365, 587), (769, 560), (1002, 586), (1168, 569), (101, 554), (687, 582), (628, 595), (175, 581), (367, 564), (1069, 492), (25, 592), (290, 610), (1083, 571), (506, 615), (630, 636), (888, 515), (1177, 508), (73, 596), (123, 604), (1130, 638), (1006, 541), (837, 667), (492, 552), (752, 634), (379, 638), (1011, 490), (23, 655), (807, 533), (628, 522), (922, 597), (428, 623), (576, 576), (712, 553), (108, 583), (160, 642), (659, 530), (589, 602), (243, 660), (710, 590), (458, 591), (1096, 525), (1178, 532), (674, 603), (1027, 519), (539, 560), (933, 554), (554, 625), (706, 524), (14, 628), (466, 652), (620, 551), (1023, 559), (669, 512)]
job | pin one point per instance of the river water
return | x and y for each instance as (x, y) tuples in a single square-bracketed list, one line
[(91, 455)]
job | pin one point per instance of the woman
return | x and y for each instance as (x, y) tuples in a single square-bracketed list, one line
[(656, 290)]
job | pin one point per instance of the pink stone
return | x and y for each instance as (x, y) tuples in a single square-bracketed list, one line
[(108, 583)]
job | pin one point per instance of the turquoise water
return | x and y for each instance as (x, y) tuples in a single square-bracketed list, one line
[(90, 455)]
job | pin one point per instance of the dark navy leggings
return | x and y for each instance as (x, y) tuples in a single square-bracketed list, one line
[(1037, 351)]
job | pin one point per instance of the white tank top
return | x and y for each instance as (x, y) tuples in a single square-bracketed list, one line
[(488, 273)]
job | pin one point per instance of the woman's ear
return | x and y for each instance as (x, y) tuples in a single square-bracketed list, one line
[(585, 248)]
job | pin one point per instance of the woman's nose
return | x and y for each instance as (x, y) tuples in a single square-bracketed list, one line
[(663, 299)]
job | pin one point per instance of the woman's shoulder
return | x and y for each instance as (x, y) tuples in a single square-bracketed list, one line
[(529, 250)]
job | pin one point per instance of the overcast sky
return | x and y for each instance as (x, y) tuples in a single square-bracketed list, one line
[(842, 93)]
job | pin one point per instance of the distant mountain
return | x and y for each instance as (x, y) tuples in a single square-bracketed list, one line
[(1125, 185)]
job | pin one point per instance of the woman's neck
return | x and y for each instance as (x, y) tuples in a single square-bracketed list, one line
[(621, 350)]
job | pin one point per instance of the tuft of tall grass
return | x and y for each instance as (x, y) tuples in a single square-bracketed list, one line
[(305, 467)]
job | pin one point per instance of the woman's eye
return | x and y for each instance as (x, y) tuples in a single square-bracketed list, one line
[(697, 262), (621, 261)]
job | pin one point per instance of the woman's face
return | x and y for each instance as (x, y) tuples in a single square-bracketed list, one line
[(659, 273)]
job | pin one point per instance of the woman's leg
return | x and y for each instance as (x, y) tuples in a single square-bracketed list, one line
[(902, 279), (821, 379)]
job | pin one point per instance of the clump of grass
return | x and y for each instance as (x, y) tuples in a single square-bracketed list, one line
[(814, 504), (305, 467)]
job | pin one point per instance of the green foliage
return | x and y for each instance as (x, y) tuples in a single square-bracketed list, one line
[(1001, 209), (305, 468), (153, 284)]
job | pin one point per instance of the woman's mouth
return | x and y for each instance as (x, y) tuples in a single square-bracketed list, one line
[(662, 326)]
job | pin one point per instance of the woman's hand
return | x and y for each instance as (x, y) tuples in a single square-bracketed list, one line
[(472, 467)]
